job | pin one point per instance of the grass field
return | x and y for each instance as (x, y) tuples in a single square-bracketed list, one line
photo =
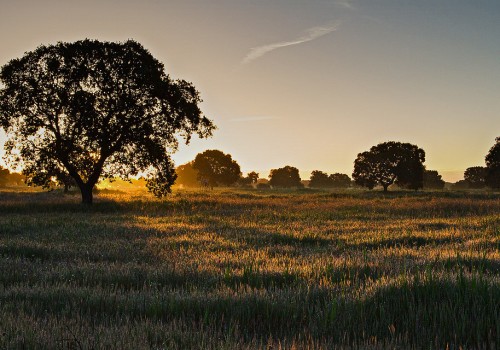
[(247, 269)]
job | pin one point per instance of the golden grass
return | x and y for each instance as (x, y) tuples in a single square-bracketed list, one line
[(250, 269)]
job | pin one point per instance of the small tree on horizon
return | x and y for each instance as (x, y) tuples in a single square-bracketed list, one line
[(432, 180), (339, 180), (216, 168), (250, 180), (476, 177), (390, 163), (286, 177), (320, 179), (96, 110)]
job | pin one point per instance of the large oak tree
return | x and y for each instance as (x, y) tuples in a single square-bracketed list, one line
[(388, 163), (96, 110)]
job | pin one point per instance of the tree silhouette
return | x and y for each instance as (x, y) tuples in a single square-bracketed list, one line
[(475, 177), (187, 175), (319, 179), (96, 110), (432, 180), (249, 180), (253, 176), (339, 180), (493, 165), (286, 177), (388, 163), (216, 168)]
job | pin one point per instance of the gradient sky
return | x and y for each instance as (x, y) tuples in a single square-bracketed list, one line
[(306, 83)]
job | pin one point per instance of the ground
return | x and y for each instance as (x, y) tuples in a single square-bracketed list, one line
[(247, 269)]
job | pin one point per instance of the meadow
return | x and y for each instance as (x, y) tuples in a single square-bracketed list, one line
[(249, 269)]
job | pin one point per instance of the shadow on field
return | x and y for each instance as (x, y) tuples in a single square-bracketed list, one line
[(431, 313), (405, 241), (55, 202), (357, 205), (472, 264), (258, 238)]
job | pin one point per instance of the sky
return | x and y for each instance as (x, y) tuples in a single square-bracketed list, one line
[(306, 83)]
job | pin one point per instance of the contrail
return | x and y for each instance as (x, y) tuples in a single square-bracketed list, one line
[(311, 34), (345, 3)]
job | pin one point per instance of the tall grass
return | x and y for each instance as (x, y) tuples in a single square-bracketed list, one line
[(250, 269)]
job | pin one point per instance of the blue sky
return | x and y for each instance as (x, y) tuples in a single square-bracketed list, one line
[(307, 83)]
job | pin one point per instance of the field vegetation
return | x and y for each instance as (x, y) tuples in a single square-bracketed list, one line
[(247, 269)]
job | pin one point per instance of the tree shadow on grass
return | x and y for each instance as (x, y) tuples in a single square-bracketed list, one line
[(432, 313), (404, 241)]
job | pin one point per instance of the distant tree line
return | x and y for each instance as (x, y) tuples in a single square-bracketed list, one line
[(77, 113), (384, 165)]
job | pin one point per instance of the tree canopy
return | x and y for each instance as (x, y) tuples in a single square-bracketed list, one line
[(493, 165), (320, 179), (96, 110), (432, 180), (390, 163), (475, 177), (216, 168), (286, 177)]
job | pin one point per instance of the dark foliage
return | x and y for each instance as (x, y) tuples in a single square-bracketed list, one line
[(390, 163), (96, 110), (286, 177), (216, 168), (475, 177), (493, 165), (432, 180), (249, 180), (339, 180), (253, 176), (320, 179), (461, 185)]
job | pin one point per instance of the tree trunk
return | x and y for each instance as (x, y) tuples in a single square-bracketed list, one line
[(385, 188), (66, 188), (86, 194)]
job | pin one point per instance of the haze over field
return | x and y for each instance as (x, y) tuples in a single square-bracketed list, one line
[(307, 83)]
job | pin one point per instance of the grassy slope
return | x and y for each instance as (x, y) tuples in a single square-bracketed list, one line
[(250, 269)]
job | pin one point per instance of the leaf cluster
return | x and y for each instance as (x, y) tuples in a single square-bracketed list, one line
[(320, 179), (216, 168), (286, 177), (390, 163)]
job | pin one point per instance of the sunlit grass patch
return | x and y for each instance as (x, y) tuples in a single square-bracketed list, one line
[(249, 269)]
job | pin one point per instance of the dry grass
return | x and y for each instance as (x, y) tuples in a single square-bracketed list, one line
[(250, 269)]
